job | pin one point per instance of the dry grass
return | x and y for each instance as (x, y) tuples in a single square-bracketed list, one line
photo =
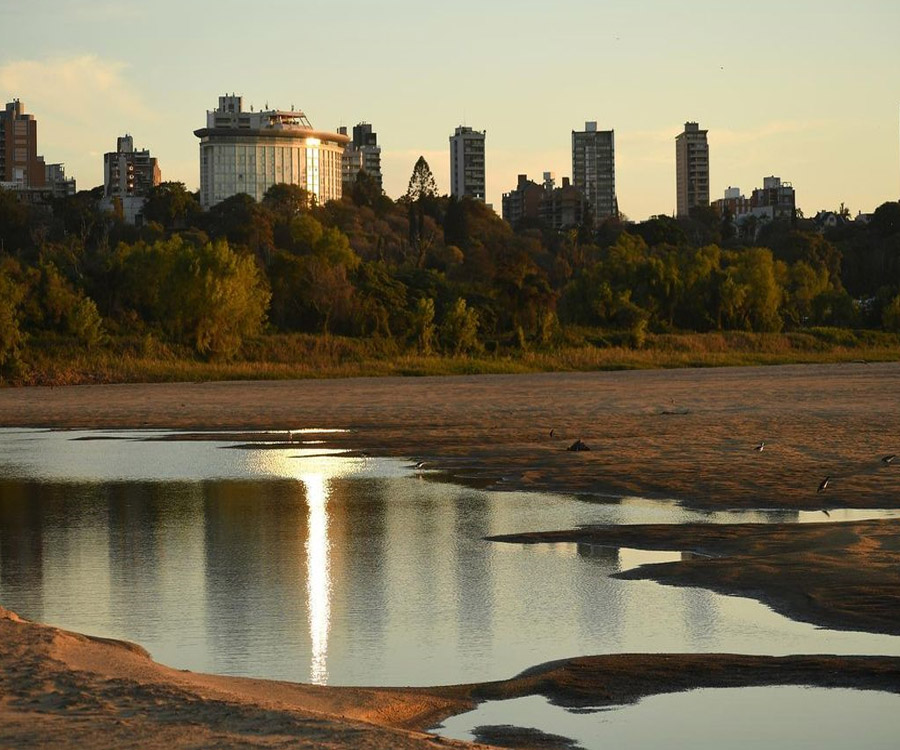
[(56, 361)]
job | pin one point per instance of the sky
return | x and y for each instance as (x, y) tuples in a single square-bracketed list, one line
[(807, 90)]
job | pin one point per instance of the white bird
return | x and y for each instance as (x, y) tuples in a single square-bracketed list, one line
[(888, 459), (420, 465), (823, 484), (760, 447)]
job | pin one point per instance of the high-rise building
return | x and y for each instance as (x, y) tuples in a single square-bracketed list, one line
[(467, 163), (128, 176), (691, 168), (249, 152), (20, 166), (594, 169), (361, 154)]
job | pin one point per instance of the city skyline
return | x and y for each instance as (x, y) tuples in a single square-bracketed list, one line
[(805, 97)]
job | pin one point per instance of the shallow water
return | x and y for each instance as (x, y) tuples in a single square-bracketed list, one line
[(781, 717), (296, 563)]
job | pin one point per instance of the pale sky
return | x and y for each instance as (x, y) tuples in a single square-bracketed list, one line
[(807, 91)]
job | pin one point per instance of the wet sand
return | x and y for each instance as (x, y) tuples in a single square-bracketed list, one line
[(687, 435)]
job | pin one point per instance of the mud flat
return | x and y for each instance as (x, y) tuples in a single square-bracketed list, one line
[(682, 434)]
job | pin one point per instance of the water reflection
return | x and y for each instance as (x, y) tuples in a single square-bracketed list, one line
[(281, 564), (738, 718), (318, 567)]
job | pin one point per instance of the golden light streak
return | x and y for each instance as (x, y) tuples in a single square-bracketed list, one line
[(318, 582)]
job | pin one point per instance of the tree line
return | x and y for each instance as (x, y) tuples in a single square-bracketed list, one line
[(424, 273)]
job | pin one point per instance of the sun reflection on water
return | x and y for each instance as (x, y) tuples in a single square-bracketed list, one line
[(318, 582)]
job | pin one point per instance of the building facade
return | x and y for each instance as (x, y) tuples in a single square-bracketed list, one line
[(524, 202), (362, 154), (776, 199), (691, 168), (594, 169), (467, 163), (20, 166), (128, 175), (56, 182), (558, 208), (249, 152)]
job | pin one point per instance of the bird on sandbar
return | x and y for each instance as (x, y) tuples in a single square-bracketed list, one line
[(759, 448), (420, 465), (823, 484), (889, 459)]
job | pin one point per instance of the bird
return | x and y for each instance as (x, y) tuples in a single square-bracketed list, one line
[(551, 432), (826, 512), (823, 484), (420, 465), (760, 447), (889, 459)]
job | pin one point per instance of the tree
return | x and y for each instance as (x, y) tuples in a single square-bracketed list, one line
[(243, 221), (285, 201), (459, 331), (423, 324), (890, 317), (171, 205), (209, 297), (421, 183), (12, 293), (420, 194)]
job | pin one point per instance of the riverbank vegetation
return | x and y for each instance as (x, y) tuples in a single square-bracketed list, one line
[(424, 285)]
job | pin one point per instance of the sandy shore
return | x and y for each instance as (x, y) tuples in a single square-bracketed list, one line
[(61, 689), (687, 435)]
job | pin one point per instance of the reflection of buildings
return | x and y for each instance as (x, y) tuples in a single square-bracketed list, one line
[(249, 152)]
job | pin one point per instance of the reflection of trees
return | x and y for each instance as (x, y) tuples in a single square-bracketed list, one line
[(21, 544), (154, 536), (255, 574), (474, 580)]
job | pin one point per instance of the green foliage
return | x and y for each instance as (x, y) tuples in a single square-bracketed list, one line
[(422, 324), (12, 293), (891, 315), (459, 330), (170, 205), (368, 267), (209, 297), (306, 231)]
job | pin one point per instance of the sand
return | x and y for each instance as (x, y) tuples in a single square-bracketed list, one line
[(687, 435)]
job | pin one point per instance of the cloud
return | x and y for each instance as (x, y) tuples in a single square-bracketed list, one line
[(81, 104), (766, 131)]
